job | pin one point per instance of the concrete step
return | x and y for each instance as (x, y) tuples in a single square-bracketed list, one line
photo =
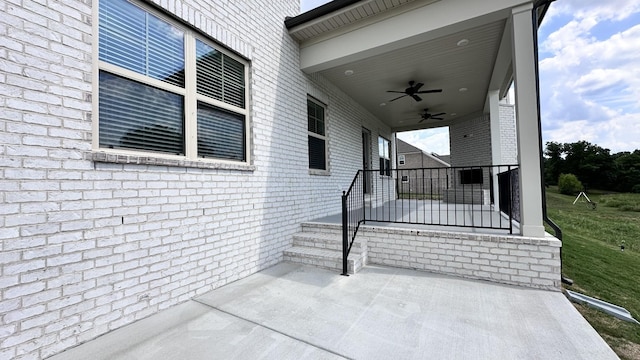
[(322, 228), (324, 241), (324, 258)]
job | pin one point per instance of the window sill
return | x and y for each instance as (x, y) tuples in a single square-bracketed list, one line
[(104, 157), (319, 172)]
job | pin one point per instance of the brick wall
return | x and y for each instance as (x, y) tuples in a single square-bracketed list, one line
[(508, 136), (531, 262), (471, 146), (471, 142), (89, 246)]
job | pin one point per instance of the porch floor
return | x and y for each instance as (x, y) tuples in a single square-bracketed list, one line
[(434, 215), (293, 311)]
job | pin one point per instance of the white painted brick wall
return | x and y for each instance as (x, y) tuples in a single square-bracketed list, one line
[(508, 136), (517, 260), (86, 247)]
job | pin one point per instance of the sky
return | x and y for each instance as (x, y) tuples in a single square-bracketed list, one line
[(589, 53)]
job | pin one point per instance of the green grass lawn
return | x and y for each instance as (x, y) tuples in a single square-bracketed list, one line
[(592, 257)]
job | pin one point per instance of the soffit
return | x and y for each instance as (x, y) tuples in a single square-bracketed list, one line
[(433, 58), (439, 64)]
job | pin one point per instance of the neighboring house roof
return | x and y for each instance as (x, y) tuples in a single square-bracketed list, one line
[(403, 147), (445, 158)]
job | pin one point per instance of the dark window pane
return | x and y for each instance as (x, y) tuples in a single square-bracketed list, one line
[(220, 133), (233, 82), (384, 152), (138, 116), (138, 41), (471, 176), (208, 71), (317, 153), (219, 76)]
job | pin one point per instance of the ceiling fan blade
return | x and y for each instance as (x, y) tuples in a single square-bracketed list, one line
[(437, 118), (421, 120), (429, 91), (416, 97), (399, 92), (418, 86), (398, 98), (439, 114)]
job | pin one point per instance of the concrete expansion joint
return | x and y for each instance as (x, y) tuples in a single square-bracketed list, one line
[(272, 329)]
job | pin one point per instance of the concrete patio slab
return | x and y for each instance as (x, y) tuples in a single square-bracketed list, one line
[(193, 331), (293, 311)]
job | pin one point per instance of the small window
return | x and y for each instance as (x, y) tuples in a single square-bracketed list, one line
[(401, 159), (405, 178), (160, 84), (471, 176), (384, 152), (316, 135)]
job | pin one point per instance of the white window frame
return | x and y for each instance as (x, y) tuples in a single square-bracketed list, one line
[(189, 92), (405, 178), (324, 137), (383, 171), (401, 160)]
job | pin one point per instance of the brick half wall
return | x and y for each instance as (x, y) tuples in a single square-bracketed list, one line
[(515, 260)]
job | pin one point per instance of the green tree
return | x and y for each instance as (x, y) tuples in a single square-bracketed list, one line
[(591, 163), (569, 184), (627, 169), (553, 162)]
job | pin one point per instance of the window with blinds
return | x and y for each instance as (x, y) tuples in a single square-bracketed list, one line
[(165, 89), (317, 136)]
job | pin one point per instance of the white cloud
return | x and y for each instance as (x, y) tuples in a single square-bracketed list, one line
[(602, 10), (590, 78), (618, 134), (429, 140)]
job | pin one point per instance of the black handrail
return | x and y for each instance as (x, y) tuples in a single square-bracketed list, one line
[(460, 196), (448, 196), (352, 215)]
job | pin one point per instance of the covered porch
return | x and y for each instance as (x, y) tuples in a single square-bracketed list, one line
[(419, 64)]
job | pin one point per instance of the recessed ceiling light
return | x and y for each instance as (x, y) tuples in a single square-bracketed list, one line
[(348, 72), (463, 89), (463, 42), (383, 104)]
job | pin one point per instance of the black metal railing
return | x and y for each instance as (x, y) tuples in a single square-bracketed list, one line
[(352, 215), (448, 196), (509, 184)]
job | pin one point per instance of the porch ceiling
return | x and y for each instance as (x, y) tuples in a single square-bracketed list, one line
[(411, 41)]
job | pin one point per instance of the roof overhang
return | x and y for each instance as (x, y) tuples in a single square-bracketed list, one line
[(369, 47)]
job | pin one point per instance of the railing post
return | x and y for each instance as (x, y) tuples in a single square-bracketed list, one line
[(345, 233), (510, 200)]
